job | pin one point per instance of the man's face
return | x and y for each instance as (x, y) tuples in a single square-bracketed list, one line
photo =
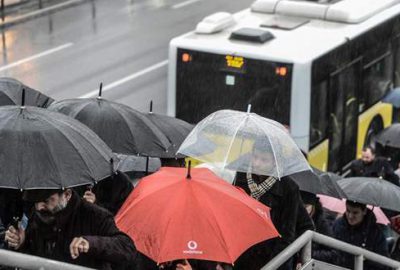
[(262, 162), (355, 215), (367, 157), (47, 209), (310, 209)]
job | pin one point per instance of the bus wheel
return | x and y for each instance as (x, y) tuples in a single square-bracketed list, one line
[(374, 128)]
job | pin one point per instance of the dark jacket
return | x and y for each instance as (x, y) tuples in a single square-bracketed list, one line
[(112, 192), (323, 226), (379, 167), (109, 248), (367, 235), (284, 200)]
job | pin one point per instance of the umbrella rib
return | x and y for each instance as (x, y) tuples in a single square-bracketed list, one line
[(233, 140), (73, 144), (273, 150)]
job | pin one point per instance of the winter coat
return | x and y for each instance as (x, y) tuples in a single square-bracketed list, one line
[(112, 192), (367, 235), (284, 200), (322, 226), (109, 248), (379, 167)]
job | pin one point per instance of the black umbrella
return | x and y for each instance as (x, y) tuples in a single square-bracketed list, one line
[(393, 97), (316, 184), (373, 191), (11, 94), (48, 150), (130, 163), (174, 129), (124, 129), (390, 136)]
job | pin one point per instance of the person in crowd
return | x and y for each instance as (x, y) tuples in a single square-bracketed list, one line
[(282, 196), (109, 193), (371, 166), (64, 227), (358, 227), (323, 224)]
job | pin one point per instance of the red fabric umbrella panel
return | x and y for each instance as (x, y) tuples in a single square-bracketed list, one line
[(174, 215)]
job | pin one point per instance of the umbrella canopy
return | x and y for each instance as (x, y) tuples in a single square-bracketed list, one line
[(174, 129), (48, 150), (129, 163), (339, 206), (318, 184), (11, 94), (390, 136), (124, 129), (241, 139), (373, 191), (170, 216), (393, 97)]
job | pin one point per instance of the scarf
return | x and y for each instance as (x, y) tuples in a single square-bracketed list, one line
[(258, 190)]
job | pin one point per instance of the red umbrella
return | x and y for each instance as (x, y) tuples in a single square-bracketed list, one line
[(172, 215)]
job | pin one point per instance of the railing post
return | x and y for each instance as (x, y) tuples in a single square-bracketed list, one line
[(359, 262), (306, 252)]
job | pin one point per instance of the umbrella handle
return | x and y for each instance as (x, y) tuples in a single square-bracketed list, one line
[(188, 176)]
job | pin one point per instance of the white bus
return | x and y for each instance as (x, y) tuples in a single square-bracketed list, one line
[(320, 67)]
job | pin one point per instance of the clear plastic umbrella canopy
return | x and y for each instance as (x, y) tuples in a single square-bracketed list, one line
[(245, 142)]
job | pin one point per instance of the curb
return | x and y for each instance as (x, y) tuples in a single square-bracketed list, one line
[(39, 13)]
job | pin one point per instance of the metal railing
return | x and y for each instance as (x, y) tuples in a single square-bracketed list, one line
[(304, 242), (29, 262)]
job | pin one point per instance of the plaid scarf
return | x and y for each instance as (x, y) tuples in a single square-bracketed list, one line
[(257, 190)]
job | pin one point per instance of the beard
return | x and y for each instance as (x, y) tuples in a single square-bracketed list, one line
[(49, 216)]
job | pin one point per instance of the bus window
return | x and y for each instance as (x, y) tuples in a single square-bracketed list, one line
[(343, 98), (211, 82), (397, 62), (319, 113), (377, 80)]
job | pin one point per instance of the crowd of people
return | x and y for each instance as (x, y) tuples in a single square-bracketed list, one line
[(76, 225)]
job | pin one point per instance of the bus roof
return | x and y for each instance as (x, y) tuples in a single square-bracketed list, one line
[(318, 30)]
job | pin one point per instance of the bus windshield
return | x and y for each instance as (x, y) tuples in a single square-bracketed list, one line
[(207, 82)]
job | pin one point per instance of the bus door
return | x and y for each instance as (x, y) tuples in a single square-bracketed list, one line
[(344, 85)]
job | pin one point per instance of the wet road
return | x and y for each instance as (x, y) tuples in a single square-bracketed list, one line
[(123, 44)]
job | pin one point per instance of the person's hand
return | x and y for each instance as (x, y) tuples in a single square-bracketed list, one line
[(184, 266), (15, 238), (78, 245), (89, 196)]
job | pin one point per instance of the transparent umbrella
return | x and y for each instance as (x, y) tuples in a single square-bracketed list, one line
[(245, 142)]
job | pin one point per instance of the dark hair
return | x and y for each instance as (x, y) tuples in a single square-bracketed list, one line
[(354, 204), (370, 148)]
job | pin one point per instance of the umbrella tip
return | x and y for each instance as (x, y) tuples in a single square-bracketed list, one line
[(248, 108), (188, 176), (151, 106)]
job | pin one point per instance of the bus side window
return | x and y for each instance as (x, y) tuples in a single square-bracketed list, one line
[(319, 113), (397, 62), (377, 80)]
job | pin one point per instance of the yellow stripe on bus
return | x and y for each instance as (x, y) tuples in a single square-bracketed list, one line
[(382, 110), (318, 156)]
